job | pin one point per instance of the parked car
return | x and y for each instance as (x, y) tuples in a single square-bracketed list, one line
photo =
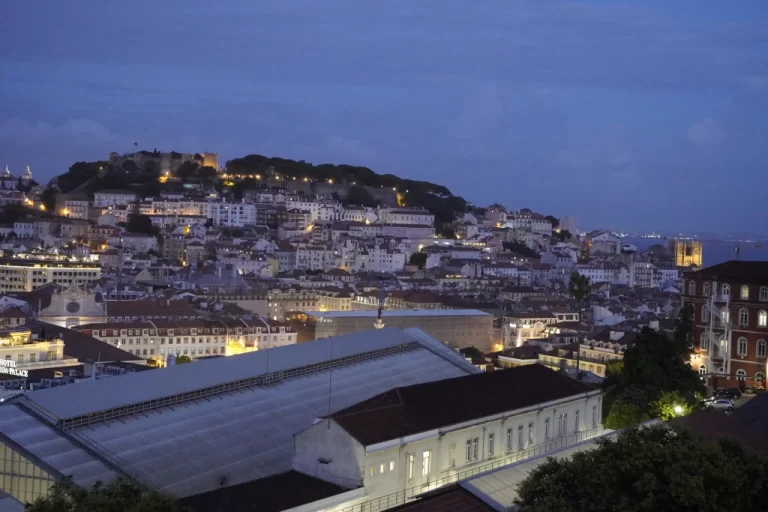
[(720, 404), (732, 393)]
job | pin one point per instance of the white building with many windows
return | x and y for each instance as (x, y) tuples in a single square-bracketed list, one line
[(429, 434)]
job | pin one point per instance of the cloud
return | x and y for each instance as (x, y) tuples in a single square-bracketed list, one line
[(706, 132)]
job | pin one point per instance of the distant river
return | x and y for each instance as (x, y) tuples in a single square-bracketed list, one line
[(715, 251)]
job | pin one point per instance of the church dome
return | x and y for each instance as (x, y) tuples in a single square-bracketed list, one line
[(6, 173), (27, 173)]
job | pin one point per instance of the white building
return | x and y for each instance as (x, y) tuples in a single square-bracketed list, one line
[(76, 209), (24, 275), (424, 435), (417, 216), (107, 198), (644, 275), (568, 224), (528, 221), (232, 214)]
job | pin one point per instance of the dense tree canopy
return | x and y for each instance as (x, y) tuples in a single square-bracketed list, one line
[(648, 470), (578, 286), (79, 173), (120, 495), (138, 223), (48, 198), (520, 248), (418, 258), (360, 196)]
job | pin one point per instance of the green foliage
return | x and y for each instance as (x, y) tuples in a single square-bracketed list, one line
[(671, 404), (360, 195), (187, 170), (614, 367), (578, 286), (650, 469), (120, 495), (48, 198), (684, 329), (79, 173), (625, 415), (138, 223), (418, 258), (183, 360), (13, 212)]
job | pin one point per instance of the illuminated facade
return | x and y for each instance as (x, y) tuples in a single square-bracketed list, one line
[(686, 252), (20, 352), (24, 275)]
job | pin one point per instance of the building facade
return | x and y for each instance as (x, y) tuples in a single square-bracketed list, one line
[(24, 275)]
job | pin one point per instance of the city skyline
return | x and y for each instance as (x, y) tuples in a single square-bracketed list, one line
[(623, 117)]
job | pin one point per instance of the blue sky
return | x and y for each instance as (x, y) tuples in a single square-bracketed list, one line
[(631, 115)]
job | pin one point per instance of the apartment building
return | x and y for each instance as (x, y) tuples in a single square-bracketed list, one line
[(427, 434), (24, 275), (159, 338), (111, 198), (231, 214), (406, 216)]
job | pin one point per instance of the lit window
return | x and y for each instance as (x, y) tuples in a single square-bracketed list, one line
[(744, 293), (726, 290), (702, 370), (381, 468), (762, 318), (391, 465), (411, 458), (426, 463), (704, 341), (451, 455)]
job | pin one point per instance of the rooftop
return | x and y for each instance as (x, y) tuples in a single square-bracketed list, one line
[(419, 408), (398, 313)]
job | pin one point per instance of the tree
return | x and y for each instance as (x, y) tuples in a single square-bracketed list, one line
[(448, 233), (183, 360), (671, 404), (684, 329), (656, 468), (554, 221), (563, 235), (13, 212), (187, 170), (120, 495), (138, 223), (626, 415), (48, 198), (360, 195), (418, 258), (578, 286)]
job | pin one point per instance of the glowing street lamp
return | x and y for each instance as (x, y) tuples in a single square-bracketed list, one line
[(678, 410)]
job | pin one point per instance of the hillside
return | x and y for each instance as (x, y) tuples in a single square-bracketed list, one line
[(258, 171)]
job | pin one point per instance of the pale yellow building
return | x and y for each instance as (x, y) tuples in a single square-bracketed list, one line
[(24, 275)]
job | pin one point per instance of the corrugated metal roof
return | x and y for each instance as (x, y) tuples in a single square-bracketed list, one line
[(243, 435), (93, 396)]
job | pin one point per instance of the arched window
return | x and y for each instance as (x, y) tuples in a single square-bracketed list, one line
[(760, 377), (725, 316), (761, 348), (705, 291), (764, 293), (704, 341), (741, 375), (704, 313), (702, 370), (744, 293), (742, 347), (762, 318), (743, 317), (726, 290), (692, 288)]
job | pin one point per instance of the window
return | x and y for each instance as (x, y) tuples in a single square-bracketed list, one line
[(760, 377), (373, 471), (725, 316), (472, 445), (764, 293), (741, 375), (411, 458), (509, 439), (425, 463), (726, 290), (451, 456), (742, 347), (702, 370), (594, 416), (392, 465), (705, 290), (743, 317), (491, 439), (692, 288), (760, 348), (704, 313), (560, 423), (381, 468), (520, 437), (530, 433), (744, 292), (546, 429), (32, 358), (576, 421), (762, 318), (704, 341)]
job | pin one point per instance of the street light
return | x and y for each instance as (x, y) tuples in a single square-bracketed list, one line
[(678, 410)]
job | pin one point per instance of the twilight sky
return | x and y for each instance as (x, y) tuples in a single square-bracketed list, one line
[(629, 115)]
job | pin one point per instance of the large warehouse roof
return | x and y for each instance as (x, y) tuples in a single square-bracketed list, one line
[(184, 429)]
